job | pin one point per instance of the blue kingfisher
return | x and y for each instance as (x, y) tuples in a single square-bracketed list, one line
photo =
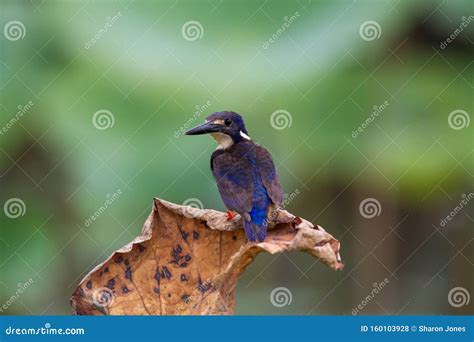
[(244, 172)]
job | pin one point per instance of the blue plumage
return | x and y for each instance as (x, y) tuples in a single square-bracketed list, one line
[(256, 228), (244, 172)]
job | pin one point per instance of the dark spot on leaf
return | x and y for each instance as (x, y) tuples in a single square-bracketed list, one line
[(101, 273), (125, 289), (296, 221), (183, 265), (128, 273), (187, 257), (106, 270), (185, 298), (203, 287), (111, 283), (195, 235), (165, 273), (118, 259), (184, 277), (127, 262), (141, 248), (157, 275), (184, 235), (81, 292), (176, 254), (89, 285), (156, 290), (169, 295), (234, 237)]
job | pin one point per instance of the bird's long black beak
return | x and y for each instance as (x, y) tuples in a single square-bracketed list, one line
[(207, 127)]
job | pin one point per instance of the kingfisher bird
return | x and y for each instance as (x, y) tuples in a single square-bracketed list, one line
[(244, 172)]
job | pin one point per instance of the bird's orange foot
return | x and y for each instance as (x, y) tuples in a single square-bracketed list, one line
[(230, 215)]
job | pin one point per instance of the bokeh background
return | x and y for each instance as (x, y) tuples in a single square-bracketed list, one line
[(104, 89)]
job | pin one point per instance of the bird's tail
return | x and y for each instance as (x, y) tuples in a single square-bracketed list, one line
[(255, 232)]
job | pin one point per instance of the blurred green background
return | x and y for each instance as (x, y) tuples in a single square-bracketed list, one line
[(148, 68)]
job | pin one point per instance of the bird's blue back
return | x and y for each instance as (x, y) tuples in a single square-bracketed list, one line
[(257, 227), (248, 184)]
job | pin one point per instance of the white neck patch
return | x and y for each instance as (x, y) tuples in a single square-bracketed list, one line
[(245, 136), (223, 140)]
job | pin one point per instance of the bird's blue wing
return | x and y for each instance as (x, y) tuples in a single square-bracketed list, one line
[(234, 181), (268, 173)]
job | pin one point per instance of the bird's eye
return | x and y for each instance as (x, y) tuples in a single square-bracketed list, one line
[(227, 122)]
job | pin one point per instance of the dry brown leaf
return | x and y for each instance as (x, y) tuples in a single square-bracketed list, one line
[(187, 261)]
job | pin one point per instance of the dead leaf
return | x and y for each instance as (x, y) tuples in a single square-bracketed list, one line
[(187, 261)]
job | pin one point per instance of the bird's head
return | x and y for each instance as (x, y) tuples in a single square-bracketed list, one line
[(227, 128)]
